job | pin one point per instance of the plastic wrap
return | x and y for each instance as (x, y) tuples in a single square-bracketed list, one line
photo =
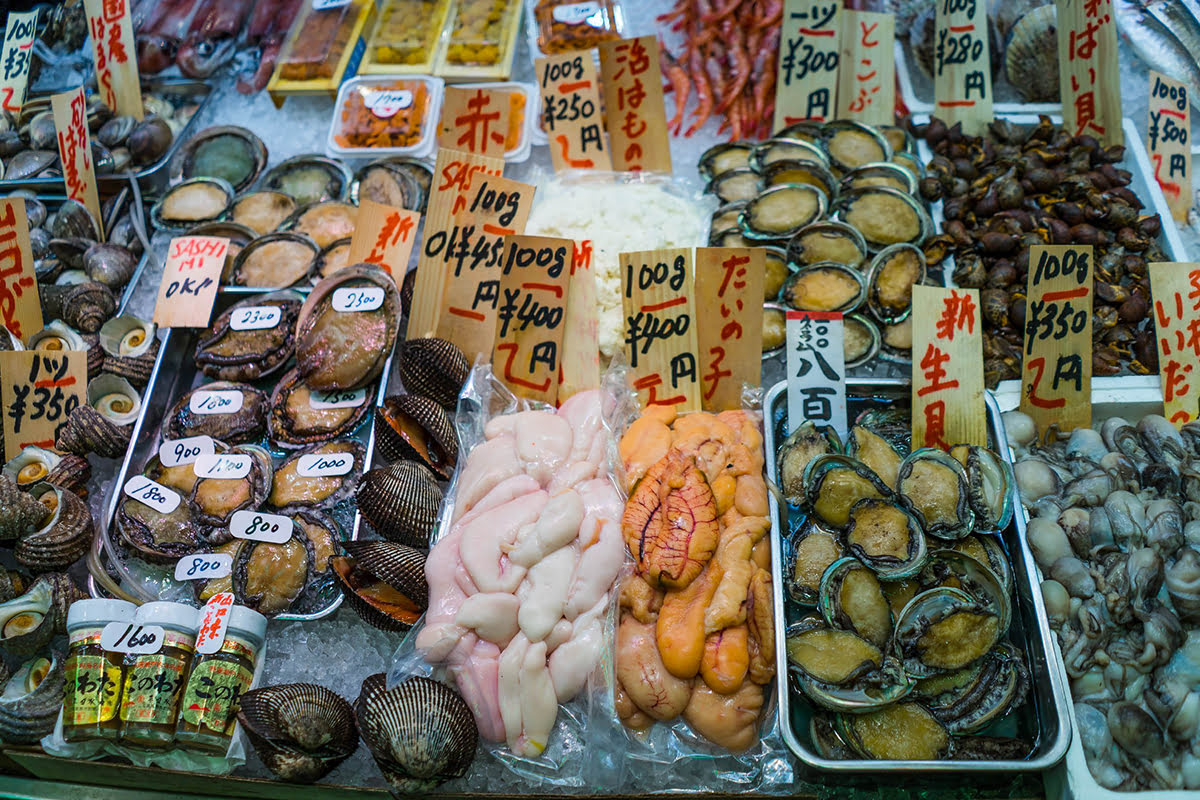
[(379, 116), (317, 42)]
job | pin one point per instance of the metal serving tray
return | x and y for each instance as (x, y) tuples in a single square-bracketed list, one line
[(1044, 719)]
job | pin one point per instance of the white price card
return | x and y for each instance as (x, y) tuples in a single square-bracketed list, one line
[(255, 318), (575, 13), (225, 466), (203, 566), (260, 526), (385, 103), (366, 298), (217, 401), (173, 452), (129, 637), (338, 398), (152, 493), (325, 5), (816, 370), (317, 465)]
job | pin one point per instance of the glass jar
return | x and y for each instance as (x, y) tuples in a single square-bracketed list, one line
[(207, 714), (92, 693), (154, 681)]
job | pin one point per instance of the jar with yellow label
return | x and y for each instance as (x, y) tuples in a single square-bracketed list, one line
[(207, 714), (154, 681), (92, 693)]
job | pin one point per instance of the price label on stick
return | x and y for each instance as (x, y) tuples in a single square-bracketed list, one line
[(20, 304), (385, 236), (15, 59), (116, 58), (260, 526), (131, 638), (729, 281), (660, 332), (474, 121), (947, 368), (203, 566), (867, 71), (75, 149), (816, 369), (1089, 77), (962, 71), (214, 622), (173, 452), (189, 281), (152, 493), (39, 389), (809, 53), (1167, 142), (581, 336), (571, 111), (633, 105), (1175, 288)]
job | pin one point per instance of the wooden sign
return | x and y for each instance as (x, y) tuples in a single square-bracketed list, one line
[(867, 67), (1056, 375), (633, 101), (452, 175), (1089, 78), (384, 235), (660, 327), (581, 337), (19, 34), (116, 59), (572, 111), (809, 55), (1176, 291), (20, 305), (189, 281), (39, 389), (471, 255), (75, 149), (474, 120), (729, 281), (947, 371), (962, 72), (816, 370), (1167, 142)]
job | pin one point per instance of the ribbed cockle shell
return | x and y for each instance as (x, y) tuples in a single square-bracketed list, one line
[(301, 731), (401, 502), (435, 368)]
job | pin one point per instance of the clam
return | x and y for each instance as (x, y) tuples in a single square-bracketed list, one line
[(413, 427), (238, 235), (62, 539), (401, 502), (807, 441), (130, 348), (295, 422), (28, 622), (783, 148), (19, 511), (228, 152), (104, 425), (834, 483), (270, 577), (262, 212), (942, 630), (851, 598), (814, 549), (827, 241), (881, 173), (901, 732), (801, 171), (274, 261), (384, 582), (116, 131), (34, 465), (300, 731), (886, 538), (243, 425), (192, 202), (73, 220), (30, 164), (41, 132), (969, 699), (933, 486), (150, 140), (884, 216), (85, 306), (853, 144), (827, 286), (69, 251), (109, 264), (721, 158), (389, 184), (226, 353), (157, 537), (216, 499), (894, 272), (332, 258), (31, 700), (741, 183), (324, 222), (309, 179), (990, 483), (291, 489), (782, 211), (433, 367)]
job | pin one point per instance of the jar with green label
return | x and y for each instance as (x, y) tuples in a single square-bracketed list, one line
[(154, 681), (92, 693), (207, 714)]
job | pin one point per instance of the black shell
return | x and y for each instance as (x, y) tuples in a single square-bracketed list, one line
[(399, 567), (410, 426), (257, 352), (135, 369), (83, 306), (401, 502), (244, 425), (88, 431), (435, 368), (284, 431), (18, 510), (301, 731)]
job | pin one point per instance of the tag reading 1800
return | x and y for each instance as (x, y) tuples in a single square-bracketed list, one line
[(152, 493), (216, 401), (255, 318), (260, 527), (368, 298)]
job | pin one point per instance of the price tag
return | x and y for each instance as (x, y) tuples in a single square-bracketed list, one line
[(385, 103), (867, 71), (116, 56), (255, 318), (325, 5), (1088, 75), (20, 305), (660, 337), (259, 526), (962, 72), (320, 465), (575, 13), (1056, 375), (19, 34), (474, 121), (224, 466), (131, 638), (729, 281), (1167, 142), (634, 113), (39, 390), (571, 110), (174, 452), (816, 370), (807, 80), (214, 621), (203, 566), (152, 493), (384, 235), (75, 149), (947, 370), (581, 336), (363, 298), (338, 398), (189, 281), (215, 401), (1176, 291)]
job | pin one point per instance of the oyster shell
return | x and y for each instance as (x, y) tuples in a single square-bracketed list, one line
[(191, 202), (384, 582), (804, 444), (294, 422), (309, 179), (19, 511), (413, 427), (61, 540), (433, 367), (933, 486), (291, 489), (216, 499), (262, 212), (244, 425), (300, 731), (325, 222), (243, 355), (84, 306), (401, 502), (31, 700), (274, 261)]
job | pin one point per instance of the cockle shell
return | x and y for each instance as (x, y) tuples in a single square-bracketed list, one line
[(301, 731), (401, 502), (435, 368), (409, 426), (384, 582)]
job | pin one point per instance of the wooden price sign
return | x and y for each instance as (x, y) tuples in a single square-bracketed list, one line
[(474, 121), (15, 61), (816, 370), (20, 305), (728, 282), (867, 67), (581, 338), (809, 54), (633, 105), (962, 72), (1089, 77), (1176, 291), (75, 149), (1056, 375), (385, 236), (947, 371), (660, 330), (1167, 142), (189, 281), (116, 59), (39, 389), (571, 111)]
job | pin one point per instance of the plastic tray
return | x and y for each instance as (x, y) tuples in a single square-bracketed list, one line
[(371, 66), (505, 40), (533, 32), (529, 125), (916, 89), (429, 124)]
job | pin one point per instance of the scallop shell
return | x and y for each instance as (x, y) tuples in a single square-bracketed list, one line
[(409, 426), (18, 510), (1031, 56), (288, 429), (31, 700), (300, 731), (64, 538), (401, 502), (372, 577), (435, 368)]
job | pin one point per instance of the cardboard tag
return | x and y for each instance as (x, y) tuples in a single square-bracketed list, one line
[(530, 318), (214, 622), (256, 318), (660, 327), (1056, 375), (189, 281), (259, 526), (634, 113), (384, 235), (338, 398), (353, 301), (39, 390), (222, 466), (152, 493), (19, 34), (116, 59), (962, 72), (215, 401), (132, 638), (173, 452), (867, 71), (317, 465), (816, 370), (581, 335), (75, 149), (471, 253), (1089, 78), (20, 304), (729, 283), (1167, 142), (203, 566), (947, 370), (1175, 288), (572, 111), (474, 121), (809, 55)]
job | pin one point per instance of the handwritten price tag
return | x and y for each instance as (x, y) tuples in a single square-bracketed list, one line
[(19, 34), (39, 389), (113, 48), (807, 81), (259, 526), (633, 105), (224, 466), (325, 5), (317, 465), (1088, 74), (947, 369), (215, 401), (214, 622), (352, 398), (1176, 291), (474, 121), (728, 281), (131, 638), (581, 336), (868, 67), (962, 73), (203, 566), (816, 370), (256, 318), (174, 452), (576, 13), (189, 281), (660, 334), (367, 298), (75, 149), (20, 305), (384, 235), (1167, 142), (386, 103), (152, 493), (571, 110)]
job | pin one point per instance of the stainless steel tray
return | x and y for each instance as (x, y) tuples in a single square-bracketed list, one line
[(1044, 719)]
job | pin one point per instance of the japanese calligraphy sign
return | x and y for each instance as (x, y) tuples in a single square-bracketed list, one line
[(385, 236), (214, 621), (1056, 376), (1089, 78), (15, 59), (962, 73), (816, 369), (474, 120), (581, 338), (189, 281), (75, 149), (868, 67), (530, 318), (1167, 142), (728, 281), (633, 105), (947, 370), (20, 305), (1176, 292), (572, 111), (660, 330), (807, 79), (116, 59), (38, 390)]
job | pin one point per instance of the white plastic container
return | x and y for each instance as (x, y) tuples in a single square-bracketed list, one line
[(386, 96)]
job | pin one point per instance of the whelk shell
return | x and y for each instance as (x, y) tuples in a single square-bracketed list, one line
[(31, 700), (64, 538)]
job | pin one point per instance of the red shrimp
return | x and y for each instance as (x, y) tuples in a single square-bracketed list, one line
[(703, 92), (681, 85)]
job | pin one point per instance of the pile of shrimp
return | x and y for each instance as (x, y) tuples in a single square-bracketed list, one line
[(729, 58)]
